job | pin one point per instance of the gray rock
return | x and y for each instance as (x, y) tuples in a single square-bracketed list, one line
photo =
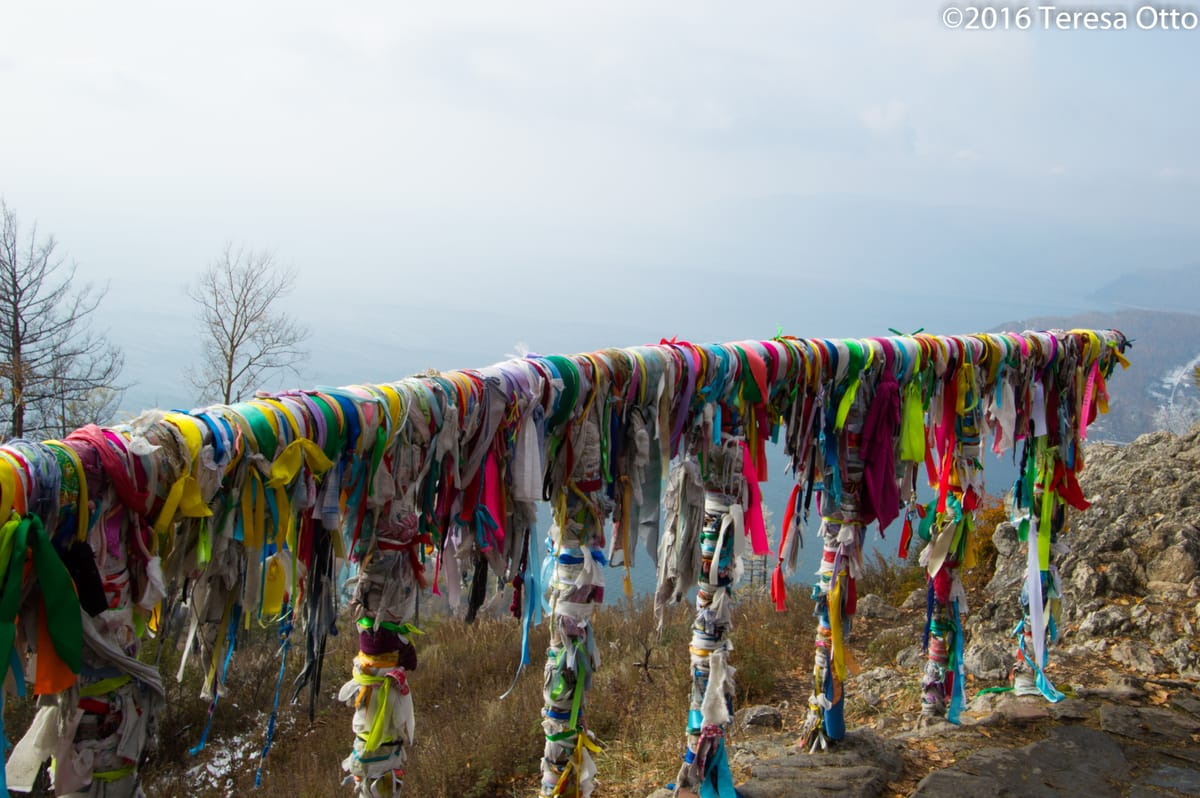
[(1135, 657), (1148, 724), (872, 606), (1073, 760), (860, 765), (1182, 658), (987, 660), (661, 792), (910, 657), (1122, 574), (1010, 565), (1167, 591), (1121, 688), (982, 703), (1109, 620), (1179, 563), (1020, 709), (1161, 628), (1109, 537), (1186, 702), (1071, 709), (879, 677), (1184, 780), (762, 715), (1005, 539), (1085, 582), (887, 724), (930, 726), (745, 751), (916, 599)]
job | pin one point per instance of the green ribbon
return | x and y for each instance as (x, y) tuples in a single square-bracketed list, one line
[(568, 372), (388, 626), (18, 537), (105, 686)]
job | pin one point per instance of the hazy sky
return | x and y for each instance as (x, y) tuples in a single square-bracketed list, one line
[(452, 179)]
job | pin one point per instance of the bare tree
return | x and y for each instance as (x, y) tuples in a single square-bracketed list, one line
[(56, 372), (246, 336)]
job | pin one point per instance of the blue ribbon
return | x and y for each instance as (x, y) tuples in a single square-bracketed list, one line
[(1042, 682), (958, 694), (718, 780), (18, 672), (231, 640), (285, 631), (485, 526), (532, 611), (834, 722)]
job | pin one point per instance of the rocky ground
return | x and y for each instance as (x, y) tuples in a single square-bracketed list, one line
[(1128, 660)]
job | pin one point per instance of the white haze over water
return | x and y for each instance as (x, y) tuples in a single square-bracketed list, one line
[(450, 179)]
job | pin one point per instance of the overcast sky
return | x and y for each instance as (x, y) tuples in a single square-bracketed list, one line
[(450, 179)]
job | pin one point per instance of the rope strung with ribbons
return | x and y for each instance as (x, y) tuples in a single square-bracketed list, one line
[(235, 513)]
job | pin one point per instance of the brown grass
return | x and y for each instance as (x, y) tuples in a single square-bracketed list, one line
[(469, 742), (890, 579)]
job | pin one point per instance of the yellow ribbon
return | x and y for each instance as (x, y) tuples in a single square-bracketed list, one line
[(1124, 361), (836, 643), (284, 470), (382, 683), (301, 451), (395, 412), (582, 741), (114, 775), (10, 483), (15, 496), (7, 541), (184, 494), (254, 508), (189, 427)]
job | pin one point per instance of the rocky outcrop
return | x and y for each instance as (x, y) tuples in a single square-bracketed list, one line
[(1131, 576), (1128, 650)]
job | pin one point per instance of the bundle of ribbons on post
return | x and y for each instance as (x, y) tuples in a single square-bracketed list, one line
[(241, 514)]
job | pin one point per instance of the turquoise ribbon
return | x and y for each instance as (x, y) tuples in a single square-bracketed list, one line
[(1042, 682), (718, 781), (958, 694), (532, 611)]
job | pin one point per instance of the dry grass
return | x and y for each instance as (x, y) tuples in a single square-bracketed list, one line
[(470, 743), (891, 580)]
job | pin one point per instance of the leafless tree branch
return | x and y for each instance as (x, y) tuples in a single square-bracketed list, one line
[(246, 337), (56, 372)]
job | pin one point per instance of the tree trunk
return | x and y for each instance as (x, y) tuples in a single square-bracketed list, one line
[(18, 368)]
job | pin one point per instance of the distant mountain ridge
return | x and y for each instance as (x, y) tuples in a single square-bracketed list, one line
[(1176, 289), (1156, 391)]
